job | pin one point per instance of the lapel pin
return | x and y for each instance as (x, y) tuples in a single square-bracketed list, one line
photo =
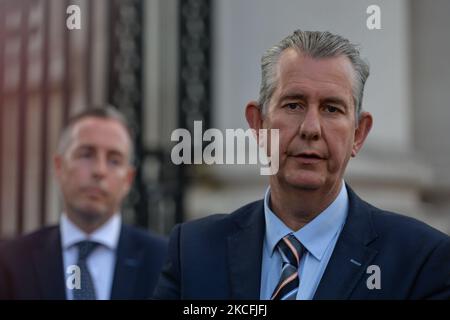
[(355, 262)]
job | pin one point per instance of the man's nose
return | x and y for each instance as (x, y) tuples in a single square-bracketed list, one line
[(100, 166), (310, 128)]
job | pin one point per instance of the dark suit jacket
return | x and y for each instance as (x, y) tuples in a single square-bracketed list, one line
[(219, 257), (31, 267)]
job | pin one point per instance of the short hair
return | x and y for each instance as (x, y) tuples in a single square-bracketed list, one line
[(107, 112), (315, 44)]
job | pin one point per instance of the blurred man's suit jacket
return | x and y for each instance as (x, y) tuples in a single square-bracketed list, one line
[(31, 267)]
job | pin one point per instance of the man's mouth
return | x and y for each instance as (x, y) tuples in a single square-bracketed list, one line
[(95, 192), (308, 157)]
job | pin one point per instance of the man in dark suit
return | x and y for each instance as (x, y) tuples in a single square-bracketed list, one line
[(91, 254), (311, 237)]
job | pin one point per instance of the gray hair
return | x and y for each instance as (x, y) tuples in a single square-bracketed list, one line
[(316, 45), (107, 112)]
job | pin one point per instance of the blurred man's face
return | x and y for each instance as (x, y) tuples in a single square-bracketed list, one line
[(314, 111), (94, 172)]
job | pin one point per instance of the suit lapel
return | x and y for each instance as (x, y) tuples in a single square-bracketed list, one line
[(129, 256), (351, 255), (245, 254), (48, 265)]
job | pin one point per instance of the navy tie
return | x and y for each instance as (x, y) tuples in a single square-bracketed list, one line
[(87, 289), (291, 251)]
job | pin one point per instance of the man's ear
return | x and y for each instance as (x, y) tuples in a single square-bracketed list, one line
[(253, 114), (361, 132), (57, 164), (131, 174)]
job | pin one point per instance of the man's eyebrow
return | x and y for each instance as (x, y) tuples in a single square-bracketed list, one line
[(300, 96), (336, 100), (115, 152), (93, 147), (84, 147), (293, 96)]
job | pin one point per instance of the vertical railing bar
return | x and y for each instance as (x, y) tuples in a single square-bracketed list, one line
[(90, 41), (67, 76), (44, 115), (22, 118), (2, 77)]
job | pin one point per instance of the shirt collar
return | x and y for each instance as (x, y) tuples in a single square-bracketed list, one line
[(107, 235), (314, 236)]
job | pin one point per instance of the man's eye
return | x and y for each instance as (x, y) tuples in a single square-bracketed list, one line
[(293, 106), (331, 109), (85, 154), (115, 161)]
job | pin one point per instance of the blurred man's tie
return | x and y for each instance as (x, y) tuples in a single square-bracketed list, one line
[(87, 289)]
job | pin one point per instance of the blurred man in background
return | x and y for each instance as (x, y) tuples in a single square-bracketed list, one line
[(91, 254)]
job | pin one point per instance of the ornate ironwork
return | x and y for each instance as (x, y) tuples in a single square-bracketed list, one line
[(157, 196), (195, 70), (125, 88)]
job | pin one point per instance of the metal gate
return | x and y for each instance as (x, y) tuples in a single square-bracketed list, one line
[(47, 73)]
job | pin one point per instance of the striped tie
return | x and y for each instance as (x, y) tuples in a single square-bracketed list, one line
[(291, 251)]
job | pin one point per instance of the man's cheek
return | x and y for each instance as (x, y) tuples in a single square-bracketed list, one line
[(283, 142)]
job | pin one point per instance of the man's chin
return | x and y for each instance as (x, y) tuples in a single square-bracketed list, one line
[(92, 214), (308, 181)]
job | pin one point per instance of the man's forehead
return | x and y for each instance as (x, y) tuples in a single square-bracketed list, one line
[(333, 76), (98, 124), (96, 131), (292, 60)]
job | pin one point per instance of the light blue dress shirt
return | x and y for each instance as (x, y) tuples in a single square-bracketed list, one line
[(318, 237), (101, 262)]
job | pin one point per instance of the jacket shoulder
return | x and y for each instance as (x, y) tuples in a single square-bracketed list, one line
[(402, 226), (223, 222), (27, 242), (145, 237)]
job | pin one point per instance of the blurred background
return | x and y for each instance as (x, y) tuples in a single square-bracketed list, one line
[(166, 63)]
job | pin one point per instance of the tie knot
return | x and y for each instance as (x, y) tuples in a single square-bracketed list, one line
[(291, 249), (85, 248)]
